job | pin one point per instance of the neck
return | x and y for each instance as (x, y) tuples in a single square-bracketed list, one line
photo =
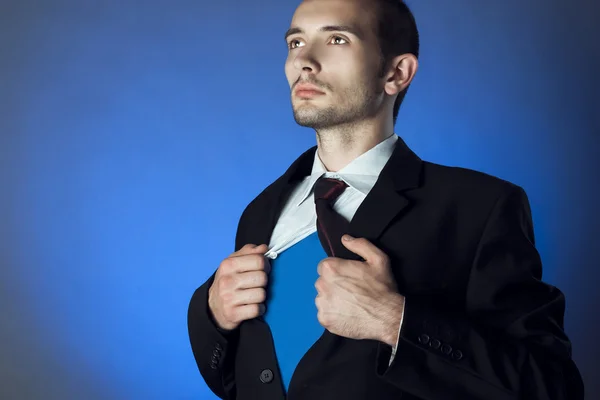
[(339, 145)]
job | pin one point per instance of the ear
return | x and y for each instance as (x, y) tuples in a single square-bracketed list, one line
[(402, 70)]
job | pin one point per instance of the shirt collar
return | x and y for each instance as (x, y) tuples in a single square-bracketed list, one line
[(361, 173)]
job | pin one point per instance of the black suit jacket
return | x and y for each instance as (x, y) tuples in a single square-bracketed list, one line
[(479, 323)]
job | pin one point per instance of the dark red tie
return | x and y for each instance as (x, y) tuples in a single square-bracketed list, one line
[(331, 226)]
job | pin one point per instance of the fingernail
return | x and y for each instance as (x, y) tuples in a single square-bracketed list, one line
[(347, 237)]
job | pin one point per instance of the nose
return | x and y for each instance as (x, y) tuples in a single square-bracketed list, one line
[(306, 61)]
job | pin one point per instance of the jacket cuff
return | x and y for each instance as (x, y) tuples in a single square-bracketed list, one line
[(430, 361), (213, 347)]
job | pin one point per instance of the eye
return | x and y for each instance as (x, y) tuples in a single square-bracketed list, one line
[(294, 43), (338, 40)]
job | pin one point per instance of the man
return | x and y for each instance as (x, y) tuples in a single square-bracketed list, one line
[(434, 294)]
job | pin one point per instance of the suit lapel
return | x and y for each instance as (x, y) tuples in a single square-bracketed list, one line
[(386, 200)]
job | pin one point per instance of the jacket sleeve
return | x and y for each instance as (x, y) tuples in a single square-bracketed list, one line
[(213, 348), (508, 342)]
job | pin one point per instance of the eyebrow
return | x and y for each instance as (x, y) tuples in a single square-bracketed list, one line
[(329, 28)]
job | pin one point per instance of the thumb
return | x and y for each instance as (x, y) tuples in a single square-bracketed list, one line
[(364, 248), (354, 245)]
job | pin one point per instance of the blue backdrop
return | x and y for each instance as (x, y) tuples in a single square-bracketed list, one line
[(133, 134)]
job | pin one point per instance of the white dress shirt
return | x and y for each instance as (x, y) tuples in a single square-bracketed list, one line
[(298, 218)]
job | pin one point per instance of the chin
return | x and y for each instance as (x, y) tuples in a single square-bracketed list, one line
[(302, 114), (306, 111), (313, 120)]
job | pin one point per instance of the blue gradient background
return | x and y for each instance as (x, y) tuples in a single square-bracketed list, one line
[(133, 134)]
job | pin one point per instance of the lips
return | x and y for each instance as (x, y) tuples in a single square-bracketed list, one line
[(308, 93), (306, 90)]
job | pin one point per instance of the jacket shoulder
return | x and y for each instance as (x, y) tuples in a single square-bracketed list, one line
[(453, 180)]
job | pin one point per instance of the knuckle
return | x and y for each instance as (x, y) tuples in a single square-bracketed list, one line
[(328, 266), (319, 284), (382, 259), (227, 265), (226, 282), (377, 259), (322, 318), (227, 299), (247, 248)]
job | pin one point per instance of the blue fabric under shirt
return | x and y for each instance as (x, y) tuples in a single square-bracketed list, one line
[(291, 311)]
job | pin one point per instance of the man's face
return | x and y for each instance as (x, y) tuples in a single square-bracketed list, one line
[(333, 49)]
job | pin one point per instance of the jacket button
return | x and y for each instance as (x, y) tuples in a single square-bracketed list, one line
[(424, 339), (266, 376), (446, 349), (457, 355)]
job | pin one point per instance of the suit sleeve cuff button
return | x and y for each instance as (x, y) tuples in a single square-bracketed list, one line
[(446, 349)]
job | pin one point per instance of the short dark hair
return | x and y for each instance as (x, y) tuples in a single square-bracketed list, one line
[(397, 34)]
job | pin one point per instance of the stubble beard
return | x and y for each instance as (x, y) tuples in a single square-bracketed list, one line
[(358, 106)]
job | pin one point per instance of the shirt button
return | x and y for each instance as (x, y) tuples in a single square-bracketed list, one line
[(266, 376)]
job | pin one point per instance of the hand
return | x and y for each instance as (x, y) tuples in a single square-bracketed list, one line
[(238, 291), (356, 299)]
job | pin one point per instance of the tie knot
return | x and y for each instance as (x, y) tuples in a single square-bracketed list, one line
[(329, 189)]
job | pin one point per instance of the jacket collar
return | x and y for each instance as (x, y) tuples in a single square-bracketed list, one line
[(383, 203)]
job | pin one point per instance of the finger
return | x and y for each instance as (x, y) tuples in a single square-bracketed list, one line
[(252, 279), (364, 248), (327, 263), (249, 311), (249, 262), (250, 296), (319, 286), (250, 249)]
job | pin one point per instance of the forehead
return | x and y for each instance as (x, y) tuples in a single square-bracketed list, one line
[(312, 14)]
